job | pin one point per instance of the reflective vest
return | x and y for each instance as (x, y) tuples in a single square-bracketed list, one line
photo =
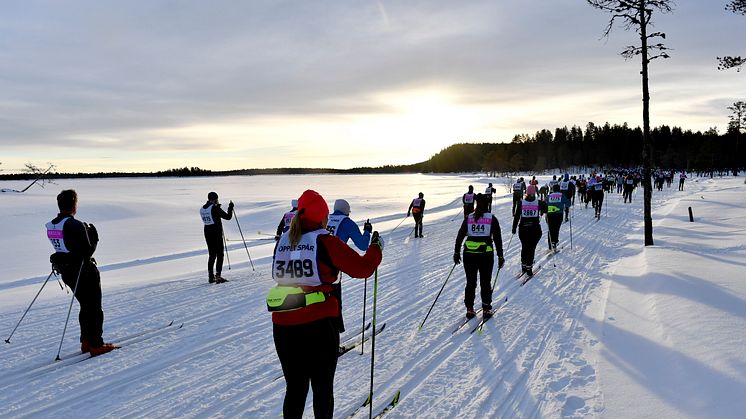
[(468, 198), (518, 187), (530, 209), (488, 190), (56, 236), (553, 199), (478, 234), (334, 222), (206, 214), (297, 265), (564, 185)]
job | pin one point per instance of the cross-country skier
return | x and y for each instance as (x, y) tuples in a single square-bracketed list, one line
[(519, 188), (629, 186), (307, 260), (341, 225), (528, 217), (286, 219), (482, 232), (74, 243), (682, 178), (468, 200), (212, 216), (417, 210), (598, 195), (557, 202), (567, 187), (488, 192)]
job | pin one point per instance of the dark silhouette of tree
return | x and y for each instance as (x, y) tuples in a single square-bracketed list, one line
[(737, 124), (636, 15), (728, 62)]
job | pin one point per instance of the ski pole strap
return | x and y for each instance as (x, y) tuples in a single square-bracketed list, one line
[(282, 298)]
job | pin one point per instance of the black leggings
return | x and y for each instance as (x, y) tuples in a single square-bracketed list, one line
[(88, 294), (308, 353), (554, 227), (482, 264), (530, 237), (215, 250)]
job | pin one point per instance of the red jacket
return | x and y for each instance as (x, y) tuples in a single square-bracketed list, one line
[(333, 256)]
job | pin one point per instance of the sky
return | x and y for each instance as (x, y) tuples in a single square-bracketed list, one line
[(152, 85)]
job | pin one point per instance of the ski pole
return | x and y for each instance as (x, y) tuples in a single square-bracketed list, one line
[(397, 226), (494, 282), (436, 298), (29, 306), (365, 300), (226, 251), (244, 241), (373, 345), (573, 211), (69, 309)]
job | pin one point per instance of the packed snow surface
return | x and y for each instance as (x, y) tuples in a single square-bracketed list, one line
[(606, 328)]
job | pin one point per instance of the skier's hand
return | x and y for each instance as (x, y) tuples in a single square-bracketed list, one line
[(277, 237), (92, 233), (456, 258), (408, 214), (376, 240), (230, 206), (368, 226), (513, 230), (500, 262)]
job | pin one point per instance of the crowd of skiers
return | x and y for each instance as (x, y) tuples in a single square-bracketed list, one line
[(311, 252)]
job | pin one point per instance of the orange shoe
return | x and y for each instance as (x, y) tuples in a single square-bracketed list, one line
[(100, 350), (84, 346)]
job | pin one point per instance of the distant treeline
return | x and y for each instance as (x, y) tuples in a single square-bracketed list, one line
[(592, 146)]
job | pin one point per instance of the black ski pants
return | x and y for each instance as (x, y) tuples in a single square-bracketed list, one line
[(468, 209), (417, 224), (627, 194), (554, 221), (530, 236), (308, 354), (478, 264), (88, 294), (214, 239), (516, 199)]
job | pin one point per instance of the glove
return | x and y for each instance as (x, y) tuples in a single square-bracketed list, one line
[(368, 226), (456, 258), (500, 262), (376, 240), (230, 206), (277, 238), (513, 230), (92, 233)]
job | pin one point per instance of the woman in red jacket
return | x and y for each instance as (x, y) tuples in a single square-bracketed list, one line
[(307, 260)]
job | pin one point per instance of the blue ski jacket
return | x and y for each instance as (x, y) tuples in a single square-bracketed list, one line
[(349, 230)]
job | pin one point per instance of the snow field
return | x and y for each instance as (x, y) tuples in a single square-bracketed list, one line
[(613, 330)]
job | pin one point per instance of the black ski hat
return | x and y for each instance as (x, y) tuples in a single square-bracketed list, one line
[(212, 196)]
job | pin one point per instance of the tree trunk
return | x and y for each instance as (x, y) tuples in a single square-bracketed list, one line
[(647, 141)]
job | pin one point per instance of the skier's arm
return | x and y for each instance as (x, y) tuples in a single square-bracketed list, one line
[(361, 240), (497, 236), (79, 244), (218, 212), (517, 216), (460, 237), (349, 261), (280, 227)]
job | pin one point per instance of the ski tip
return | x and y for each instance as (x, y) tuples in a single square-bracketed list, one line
[(180, 326), (170, 324), (383, 326), (395, 401)]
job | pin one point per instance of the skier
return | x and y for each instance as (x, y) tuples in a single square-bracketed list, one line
[(74, 243), (567, 187), (682, 177), (341, 225), (468, 200), (482, 232), (629, 186), (307, 260), (527, 215), (417, 210), (488, 192), (286, 219), (212, 216), (598, 196), (557, 202), (519, 188)]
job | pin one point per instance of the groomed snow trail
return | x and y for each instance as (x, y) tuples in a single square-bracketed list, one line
[(536, 358)]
